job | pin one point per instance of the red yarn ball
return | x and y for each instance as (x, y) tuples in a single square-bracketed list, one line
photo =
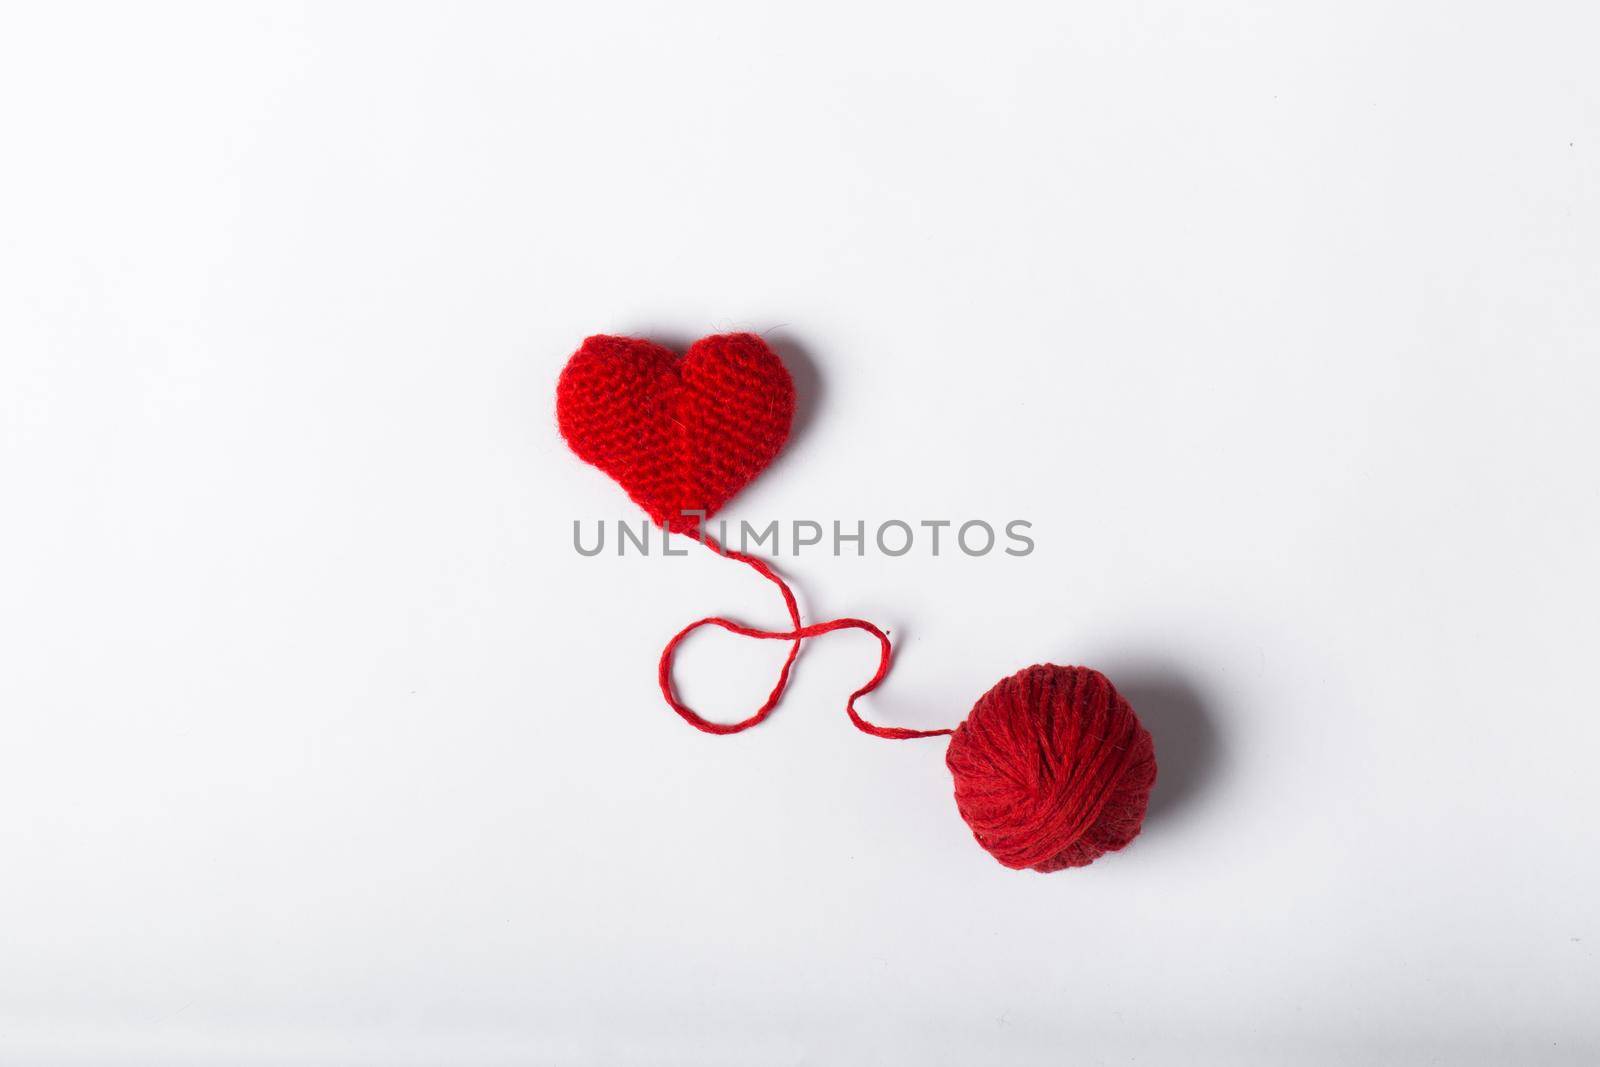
[(1052, 769)]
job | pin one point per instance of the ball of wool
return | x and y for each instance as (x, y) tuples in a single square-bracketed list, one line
[(1052, 768)]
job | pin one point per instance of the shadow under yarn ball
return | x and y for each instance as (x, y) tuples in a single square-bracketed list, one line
[(1052, 769)]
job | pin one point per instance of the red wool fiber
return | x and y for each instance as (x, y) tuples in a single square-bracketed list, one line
[(677, 434), (1052, 768)]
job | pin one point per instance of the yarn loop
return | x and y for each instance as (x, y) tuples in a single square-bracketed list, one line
[(798, 634)]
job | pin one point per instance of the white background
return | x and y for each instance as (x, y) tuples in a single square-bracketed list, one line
[(322, 746)]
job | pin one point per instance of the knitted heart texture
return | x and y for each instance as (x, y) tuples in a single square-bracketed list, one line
[(679, 435)]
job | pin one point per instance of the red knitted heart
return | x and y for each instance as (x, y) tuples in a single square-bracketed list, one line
[(677, 434)]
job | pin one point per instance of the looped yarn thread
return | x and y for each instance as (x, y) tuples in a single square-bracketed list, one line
[(1052, 768), (681, 436), (796, 635)]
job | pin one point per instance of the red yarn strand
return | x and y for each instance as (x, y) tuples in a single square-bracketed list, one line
[(796, 635)]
